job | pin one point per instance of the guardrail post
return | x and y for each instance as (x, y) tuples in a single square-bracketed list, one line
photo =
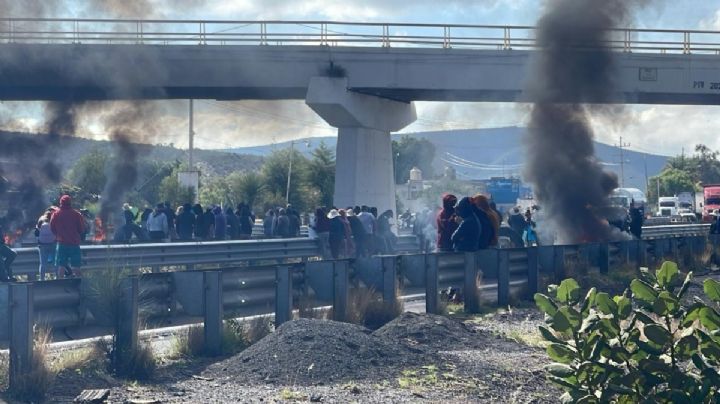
[(431, 283), (559, 262), (471, 294), (625, 249), (22, 318), (674, 250), (213, 312), (604, 258), (659, 249), (390, 278), (340, 290), (4, 311), (127, 324), (283, 294), (503, 277), (533, 272)]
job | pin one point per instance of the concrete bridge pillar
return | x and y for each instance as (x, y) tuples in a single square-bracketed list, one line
[(364, 168)]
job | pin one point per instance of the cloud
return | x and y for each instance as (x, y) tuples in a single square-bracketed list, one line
[(712, 22), (663, 129)]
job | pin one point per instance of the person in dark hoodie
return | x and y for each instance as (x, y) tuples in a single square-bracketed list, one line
[(489, 224), (200, 228), (209, 224), (220, 223), (467, 236), (233, 224), (446, 223), (246, 221), (185, 223), (516, 221)]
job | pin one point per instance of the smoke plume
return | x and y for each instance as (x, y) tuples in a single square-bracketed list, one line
[(574, 66)]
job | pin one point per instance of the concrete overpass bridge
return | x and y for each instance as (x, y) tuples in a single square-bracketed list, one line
[(359, 77)]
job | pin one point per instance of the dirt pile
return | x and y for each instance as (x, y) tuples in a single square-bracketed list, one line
[(308, 351), (429, 331)]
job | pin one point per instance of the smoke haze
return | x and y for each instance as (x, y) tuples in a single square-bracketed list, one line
[(574, 66)]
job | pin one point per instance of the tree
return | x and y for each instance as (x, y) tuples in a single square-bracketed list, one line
[(245, 187), (275, 175), (170, 190), (410, 152), (215, 192), (321, 173), (672, 182), (88, 173)]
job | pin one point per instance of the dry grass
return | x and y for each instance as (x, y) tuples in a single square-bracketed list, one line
[(137, 365), (257, 329), (189, 343), (33, 386), (240, 335), (367, 308), (308, 308), (85, 359), (4, 370)]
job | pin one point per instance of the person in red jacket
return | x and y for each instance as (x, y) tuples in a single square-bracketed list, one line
[(68, 226), (446, 223)]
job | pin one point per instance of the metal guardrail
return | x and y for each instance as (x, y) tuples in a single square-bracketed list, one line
[(229, 252), (177, 254), (330, 33), (187, 255), (652, 232)]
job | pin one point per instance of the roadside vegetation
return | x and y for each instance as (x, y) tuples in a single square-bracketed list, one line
[(651, 343)]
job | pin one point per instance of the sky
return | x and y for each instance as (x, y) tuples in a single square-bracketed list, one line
[(648, 128)]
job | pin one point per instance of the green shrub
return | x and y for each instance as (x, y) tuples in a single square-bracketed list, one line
[(641, 346)]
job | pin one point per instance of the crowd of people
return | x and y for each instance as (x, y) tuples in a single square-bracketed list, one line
[(352, 232), (186, 223), (461, 225)]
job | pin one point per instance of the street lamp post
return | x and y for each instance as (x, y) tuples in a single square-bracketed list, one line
[(292, 154)]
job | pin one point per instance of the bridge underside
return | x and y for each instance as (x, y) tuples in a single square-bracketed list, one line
[(102, 72), (366, 93)]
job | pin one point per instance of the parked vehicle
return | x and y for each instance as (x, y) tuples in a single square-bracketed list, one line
[(668, 206), (624, 196), (711, 193)]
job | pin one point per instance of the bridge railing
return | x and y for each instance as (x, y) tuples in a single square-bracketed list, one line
[(331, 33)]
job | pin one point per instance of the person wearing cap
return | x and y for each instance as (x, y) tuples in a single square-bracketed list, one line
[(516, 221), (337, 233), (358, 233), (157, 223), (68, 225)]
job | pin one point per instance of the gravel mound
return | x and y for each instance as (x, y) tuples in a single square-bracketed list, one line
[(309, 351), (429, 330)]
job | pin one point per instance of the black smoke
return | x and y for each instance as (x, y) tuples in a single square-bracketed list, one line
[(573, 76)]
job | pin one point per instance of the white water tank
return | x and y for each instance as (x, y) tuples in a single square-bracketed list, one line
[(415, 174)]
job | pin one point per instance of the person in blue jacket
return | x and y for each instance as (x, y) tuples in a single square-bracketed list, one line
[(467, 235)]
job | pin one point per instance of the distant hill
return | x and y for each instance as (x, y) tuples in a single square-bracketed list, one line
[(210, 162), (499, 150)]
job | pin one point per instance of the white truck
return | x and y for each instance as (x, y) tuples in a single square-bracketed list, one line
[(668, 206), (624, 196)]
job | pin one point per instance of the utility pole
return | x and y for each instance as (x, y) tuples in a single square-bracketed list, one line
[(287, 192), (647, 184), (622, 147), (191, 139)]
